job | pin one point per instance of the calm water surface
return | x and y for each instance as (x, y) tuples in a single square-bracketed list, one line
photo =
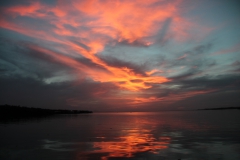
[(188, 135)]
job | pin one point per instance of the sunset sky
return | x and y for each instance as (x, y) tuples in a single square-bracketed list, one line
[(120, 55)]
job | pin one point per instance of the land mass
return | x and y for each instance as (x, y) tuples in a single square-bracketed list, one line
[(11, 111), (221, 108)]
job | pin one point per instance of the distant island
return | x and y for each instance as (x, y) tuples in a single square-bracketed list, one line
[(11, 111), (221, 108)]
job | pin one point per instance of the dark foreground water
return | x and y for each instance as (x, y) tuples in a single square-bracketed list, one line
[(188, 135)]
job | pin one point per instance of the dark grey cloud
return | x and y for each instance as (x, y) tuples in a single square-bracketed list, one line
[(9, 3), (236, 63), (194, 68), (195, 56), (163, 35), (135, 43), (115, 62), (17, 90), (203, 92), (20, 55), (22, 58), (200, 49), (30, 92), (23, 70), (229, 83), (77, 42), (13, 2), (235, 67), (210, 100), (219, 82), (191, 72)]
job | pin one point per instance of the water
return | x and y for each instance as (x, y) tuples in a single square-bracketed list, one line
[(188, 135)]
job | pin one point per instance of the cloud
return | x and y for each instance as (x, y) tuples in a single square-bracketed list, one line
[(30, 92), (36, 93), (118, 63), (85, 28), (231, 49), (197, 93), (124, 52), (182, 57), (100, 72), (235, 67)]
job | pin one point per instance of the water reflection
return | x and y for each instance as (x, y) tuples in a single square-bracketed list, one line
[(134, 141), (131, 144), (193, 135)]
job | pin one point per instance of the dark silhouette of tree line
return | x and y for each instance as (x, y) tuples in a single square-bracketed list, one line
[(221, 108), (12, 111)]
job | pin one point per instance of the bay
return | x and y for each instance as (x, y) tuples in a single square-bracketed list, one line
[(170, 135)]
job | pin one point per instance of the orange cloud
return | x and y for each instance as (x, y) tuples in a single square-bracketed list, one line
[(121, 77), (149, 98), (127, 20), (145, 100)]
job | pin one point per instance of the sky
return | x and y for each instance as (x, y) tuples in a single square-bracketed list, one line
[(121, 55)]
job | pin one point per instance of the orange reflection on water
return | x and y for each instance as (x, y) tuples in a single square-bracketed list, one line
[(137, 141)]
